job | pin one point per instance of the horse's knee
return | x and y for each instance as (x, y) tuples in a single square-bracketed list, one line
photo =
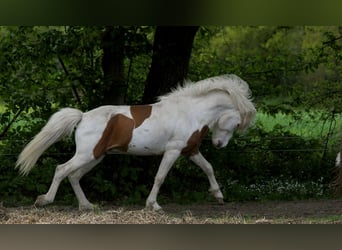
[(60, 172), (73, 180), (209, 171), (75, 176), (159, 180)]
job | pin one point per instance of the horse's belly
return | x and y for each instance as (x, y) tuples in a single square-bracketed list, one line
[(146, 142)]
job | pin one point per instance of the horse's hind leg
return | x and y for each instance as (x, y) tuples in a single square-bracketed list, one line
[(199, 160), (61, 172), (74, 179), (49, 197)]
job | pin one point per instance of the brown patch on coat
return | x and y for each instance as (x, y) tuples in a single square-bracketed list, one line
[(140, 113), (194, 142), (116, 135)]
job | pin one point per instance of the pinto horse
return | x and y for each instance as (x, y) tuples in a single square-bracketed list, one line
[(174, 126)]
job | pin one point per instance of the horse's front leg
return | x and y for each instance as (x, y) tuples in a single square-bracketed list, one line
[(169, 158), (199, 160)]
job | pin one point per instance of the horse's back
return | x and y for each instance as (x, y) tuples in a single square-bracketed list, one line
[(123, 129)]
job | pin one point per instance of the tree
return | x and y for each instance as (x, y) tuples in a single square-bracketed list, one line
[(170, 60), (113, 65), (325, 90), (120, 46)]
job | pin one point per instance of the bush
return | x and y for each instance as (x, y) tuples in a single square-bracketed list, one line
[(273, 165)]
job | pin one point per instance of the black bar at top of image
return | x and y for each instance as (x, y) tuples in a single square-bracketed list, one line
[(153, 12)]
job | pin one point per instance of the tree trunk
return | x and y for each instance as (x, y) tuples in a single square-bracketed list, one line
[(170, 60), (170, 63), (113, 65)]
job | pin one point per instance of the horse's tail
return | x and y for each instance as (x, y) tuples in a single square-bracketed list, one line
[(60, 124)]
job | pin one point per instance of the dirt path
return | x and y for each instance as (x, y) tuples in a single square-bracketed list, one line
[(309, 211), (270, 209)]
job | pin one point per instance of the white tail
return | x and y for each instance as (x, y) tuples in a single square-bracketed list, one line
[(60, 124)]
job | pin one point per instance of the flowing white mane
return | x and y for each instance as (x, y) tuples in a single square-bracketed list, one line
[(226, 83), (234, 86)]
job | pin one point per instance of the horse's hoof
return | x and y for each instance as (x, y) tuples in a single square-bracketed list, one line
[(220, 201), (154, 207), (86, 207), (41, 201), (159, 210)]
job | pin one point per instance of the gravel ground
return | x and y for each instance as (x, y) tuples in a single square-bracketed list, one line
[(272, 212)]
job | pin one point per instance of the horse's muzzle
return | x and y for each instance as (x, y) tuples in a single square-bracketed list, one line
[(217, 143)]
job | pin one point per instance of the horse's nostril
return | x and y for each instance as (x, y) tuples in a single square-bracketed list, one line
[(217, 143)]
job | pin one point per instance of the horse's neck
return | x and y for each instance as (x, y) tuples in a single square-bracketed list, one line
[(207, 109)]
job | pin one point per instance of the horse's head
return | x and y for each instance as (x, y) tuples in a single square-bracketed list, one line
[(224, 128)]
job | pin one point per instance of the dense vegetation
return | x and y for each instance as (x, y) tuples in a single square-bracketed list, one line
[(294, 73)]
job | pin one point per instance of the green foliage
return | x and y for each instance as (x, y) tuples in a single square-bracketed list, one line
[(294, 73), (298, 64), (275, 189), (259, 54)]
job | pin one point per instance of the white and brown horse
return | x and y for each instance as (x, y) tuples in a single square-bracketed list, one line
[(174, 126)]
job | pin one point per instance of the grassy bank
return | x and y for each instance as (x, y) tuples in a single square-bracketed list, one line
[(313, 124)]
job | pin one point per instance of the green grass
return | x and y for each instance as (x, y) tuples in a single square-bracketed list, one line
[(309, 125)]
